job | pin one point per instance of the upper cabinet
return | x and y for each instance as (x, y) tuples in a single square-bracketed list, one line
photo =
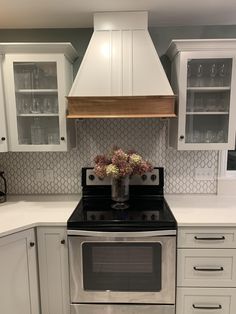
[(3, 131), (37, 79), (204, 78)]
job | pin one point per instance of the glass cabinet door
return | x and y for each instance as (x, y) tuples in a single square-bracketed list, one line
[(208, 100), (36, 95)]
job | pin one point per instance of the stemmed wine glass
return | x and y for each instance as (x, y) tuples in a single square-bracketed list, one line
[(222, 73), (213, 72), (199, 75), (189, 75)]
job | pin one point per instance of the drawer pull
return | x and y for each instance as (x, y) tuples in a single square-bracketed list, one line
[(208, 269), (210, 238), (211, 307)]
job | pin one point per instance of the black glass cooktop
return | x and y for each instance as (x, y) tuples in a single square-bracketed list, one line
[(145, 213)]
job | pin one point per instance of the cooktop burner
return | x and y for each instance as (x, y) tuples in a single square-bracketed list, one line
[(146, 209)]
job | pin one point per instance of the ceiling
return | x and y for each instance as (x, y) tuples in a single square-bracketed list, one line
[(78, 13)]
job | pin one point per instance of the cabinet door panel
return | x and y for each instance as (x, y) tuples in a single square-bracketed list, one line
[(53, 270), (205, 300), (206, 268), (18, 273), (204, 237), (3, 133)]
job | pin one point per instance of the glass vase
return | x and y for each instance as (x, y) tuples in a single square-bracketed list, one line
[(120, 192)]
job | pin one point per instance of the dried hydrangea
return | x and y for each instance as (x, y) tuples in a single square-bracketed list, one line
[(135, 159), (120, 164)]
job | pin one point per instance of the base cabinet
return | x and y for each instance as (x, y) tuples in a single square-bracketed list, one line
[(18, 274), (53, 270), (206, 270)]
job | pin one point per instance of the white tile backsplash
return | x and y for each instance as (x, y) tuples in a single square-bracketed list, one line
[(147, 136)]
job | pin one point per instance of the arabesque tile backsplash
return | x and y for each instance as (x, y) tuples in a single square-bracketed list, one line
[(147, 136)]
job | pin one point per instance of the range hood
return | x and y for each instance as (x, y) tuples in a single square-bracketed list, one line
[(121, 75)]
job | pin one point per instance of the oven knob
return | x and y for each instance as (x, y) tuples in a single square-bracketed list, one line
[(91, 177), (153, 217), (102, 217), (93, 217), (144, 217), (153, 177), (144, 177)]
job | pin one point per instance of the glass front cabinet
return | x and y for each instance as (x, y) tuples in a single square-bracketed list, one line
[(36, 86), (204, 78)]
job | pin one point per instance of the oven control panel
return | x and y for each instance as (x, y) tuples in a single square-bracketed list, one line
[(123, 215), (149, 178)]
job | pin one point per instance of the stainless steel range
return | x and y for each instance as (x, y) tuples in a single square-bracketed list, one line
[(122, 261)]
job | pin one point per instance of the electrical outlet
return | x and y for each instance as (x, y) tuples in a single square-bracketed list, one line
[(39, 175), (205, 173), (48, 175)]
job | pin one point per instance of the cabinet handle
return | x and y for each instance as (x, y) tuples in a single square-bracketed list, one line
[(211, 307), (210, 238), (220, 268), (62, 138), (3, 138), (32, 244), (63, 241), (181, 137)]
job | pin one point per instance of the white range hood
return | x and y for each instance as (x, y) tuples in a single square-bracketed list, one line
[(121, 74)]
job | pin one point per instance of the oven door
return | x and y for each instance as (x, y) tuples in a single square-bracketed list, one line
[(130, 267)]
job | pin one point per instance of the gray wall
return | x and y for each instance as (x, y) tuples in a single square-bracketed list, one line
[(149, 136), (79, 37)]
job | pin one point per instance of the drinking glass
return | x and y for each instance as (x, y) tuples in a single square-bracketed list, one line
[(47, 106), (189, 75), (36, 77), (197, 136), (35, 107)]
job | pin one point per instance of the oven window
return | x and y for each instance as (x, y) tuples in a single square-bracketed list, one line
[(122, 266)]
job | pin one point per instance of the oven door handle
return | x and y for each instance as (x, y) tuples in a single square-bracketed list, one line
[(131, 234)]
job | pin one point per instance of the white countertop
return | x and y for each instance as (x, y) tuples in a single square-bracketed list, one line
[(203, 210), (27, 211)]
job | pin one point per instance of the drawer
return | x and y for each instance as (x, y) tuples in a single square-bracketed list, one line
[(207, 237), (206, 268), (205, 300)]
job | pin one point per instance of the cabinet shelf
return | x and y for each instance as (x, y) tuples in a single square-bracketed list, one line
[(207, 112), (209, 89), (38, 115), (37, 91)]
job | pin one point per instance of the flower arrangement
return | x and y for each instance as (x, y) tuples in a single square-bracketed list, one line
[(119, 164)]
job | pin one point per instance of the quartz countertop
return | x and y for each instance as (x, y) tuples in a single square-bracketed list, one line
[(27, 211), (203, 210)]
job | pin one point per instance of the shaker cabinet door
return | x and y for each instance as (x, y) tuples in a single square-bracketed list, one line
[(3, 132), (18, 274), (53, 270)]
